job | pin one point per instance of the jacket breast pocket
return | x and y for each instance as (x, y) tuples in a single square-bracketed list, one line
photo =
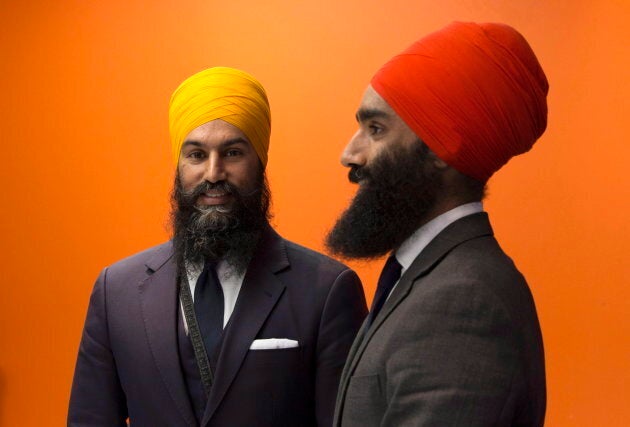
[(365, 401), (273, 380), (285, 357)]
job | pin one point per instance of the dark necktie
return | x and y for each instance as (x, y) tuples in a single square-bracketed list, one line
[(388, 278), (209, 307)]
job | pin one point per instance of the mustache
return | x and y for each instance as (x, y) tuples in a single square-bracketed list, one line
[(206, 186), (356, 174), (222, 186)]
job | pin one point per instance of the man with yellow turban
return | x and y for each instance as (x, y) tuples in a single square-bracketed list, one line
[(452, 338), (228, 324)]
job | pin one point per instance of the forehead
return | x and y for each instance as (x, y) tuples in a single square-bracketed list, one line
[(373, 106), (216, 131), (372, 101)]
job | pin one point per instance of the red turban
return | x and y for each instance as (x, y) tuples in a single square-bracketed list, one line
[(474, 93)]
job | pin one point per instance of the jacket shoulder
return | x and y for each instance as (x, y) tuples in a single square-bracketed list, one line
[(484, 260), (309, 258), (142, 262), (482, 264)]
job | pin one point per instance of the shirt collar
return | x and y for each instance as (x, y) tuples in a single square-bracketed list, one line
[(411, 248)]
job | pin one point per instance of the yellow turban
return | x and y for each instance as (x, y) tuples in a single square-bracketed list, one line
[(221, 93)]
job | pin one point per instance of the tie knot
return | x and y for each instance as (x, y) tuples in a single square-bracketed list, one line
[(210, 264)]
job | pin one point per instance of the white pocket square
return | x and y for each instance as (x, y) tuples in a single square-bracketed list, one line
[(273, 344)]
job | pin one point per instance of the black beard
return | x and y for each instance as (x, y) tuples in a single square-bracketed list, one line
[(216, 233), (394, 196)]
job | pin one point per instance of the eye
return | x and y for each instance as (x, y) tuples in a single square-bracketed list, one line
[(374, 129), (196, 155), (233, 152)]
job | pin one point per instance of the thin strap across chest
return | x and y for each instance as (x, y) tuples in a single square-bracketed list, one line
[(194, 333)]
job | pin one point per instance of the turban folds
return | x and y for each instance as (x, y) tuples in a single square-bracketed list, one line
[(474, 93), (221, 93)]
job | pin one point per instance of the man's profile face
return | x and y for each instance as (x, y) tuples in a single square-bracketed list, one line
[(380, 130), (398, 184), (217, 153)]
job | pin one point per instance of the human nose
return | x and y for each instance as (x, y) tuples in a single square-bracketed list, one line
[(215, 169), (354, 153)]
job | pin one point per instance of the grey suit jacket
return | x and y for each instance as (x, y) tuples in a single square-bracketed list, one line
[(456, 344), (128, 363)]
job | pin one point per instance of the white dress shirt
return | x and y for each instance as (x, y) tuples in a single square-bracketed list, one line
[(230, 283)]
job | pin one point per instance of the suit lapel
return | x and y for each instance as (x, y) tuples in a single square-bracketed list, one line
[(464, 229), (159, 304), (259, 293)]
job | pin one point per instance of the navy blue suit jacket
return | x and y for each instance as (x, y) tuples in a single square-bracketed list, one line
[(128, 363)]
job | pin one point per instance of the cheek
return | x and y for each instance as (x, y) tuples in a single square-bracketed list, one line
[(246, 175), (374, 152), (189, 176), (245, 180)]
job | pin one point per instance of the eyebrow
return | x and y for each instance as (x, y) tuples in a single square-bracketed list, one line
[(364, 114), (224, 144)]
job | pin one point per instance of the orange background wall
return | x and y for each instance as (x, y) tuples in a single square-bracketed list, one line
[(84, 87)]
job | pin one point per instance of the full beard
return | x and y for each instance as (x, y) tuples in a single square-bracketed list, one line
[(213, 233), (395, 193)]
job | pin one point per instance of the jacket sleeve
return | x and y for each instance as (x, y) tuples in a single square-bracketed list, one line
[(343, 314), (97, 398)]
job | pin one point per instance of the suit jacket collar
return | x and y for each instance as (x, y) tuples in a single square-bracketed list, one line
[(414, 244), (460, 231)]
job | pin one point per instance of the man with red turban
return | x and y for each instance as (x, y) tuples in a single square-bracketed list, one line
[(227, 324), (452, 337)]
